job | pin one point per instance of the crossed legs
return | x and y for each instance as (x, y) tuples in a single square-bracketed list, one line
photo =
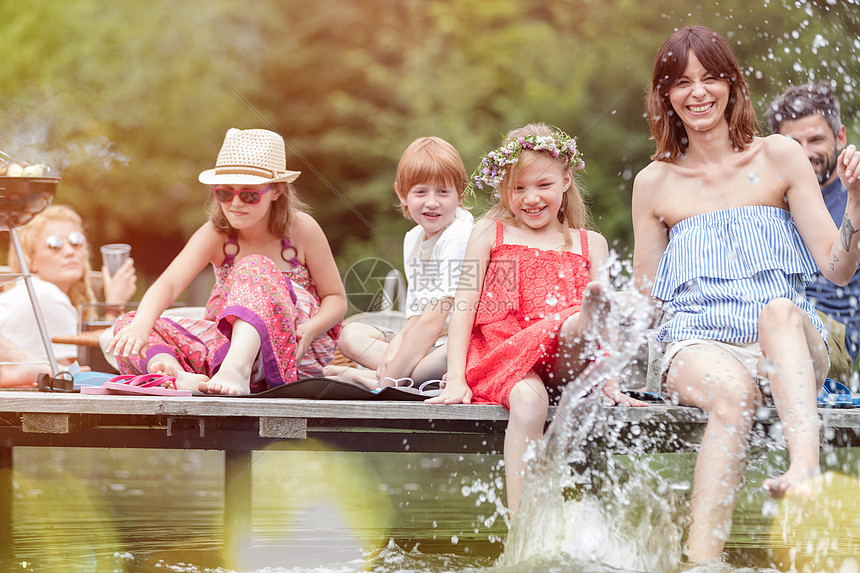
[(366, 345), (234, 375)]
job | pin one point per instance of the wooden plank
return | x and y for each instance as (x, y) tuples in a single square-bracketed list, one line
[(54, 423), (273, 419), (218, 406)]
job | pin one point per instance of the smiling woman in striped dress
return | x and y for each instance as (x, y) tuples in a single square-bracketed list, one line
[(729, 228)]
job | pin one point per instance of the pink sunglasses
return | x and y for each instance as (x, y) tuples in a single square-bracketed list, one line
[(249, 196)]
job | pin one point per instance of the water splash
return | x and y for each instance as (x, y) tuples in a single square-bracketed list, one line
[(588, 493)]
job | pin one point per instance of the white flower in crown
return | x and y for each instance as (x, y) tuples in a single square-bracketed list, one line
[(495, 164)]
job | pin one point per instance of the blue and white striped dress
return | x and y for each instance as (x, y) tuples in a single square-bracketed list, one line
[(720, 269)]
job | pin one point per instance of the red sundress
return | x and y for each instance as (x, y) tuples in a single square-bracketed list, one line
[(527, 294)]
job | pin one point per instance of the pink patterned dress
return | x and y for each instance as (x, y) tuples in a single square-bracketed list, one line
[(256, 291), (527, 295)]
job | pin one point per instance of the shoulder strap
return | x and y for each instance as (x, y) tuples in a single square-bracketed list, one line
[(500, 233), (583, 241), (286, 244), (230, 253)]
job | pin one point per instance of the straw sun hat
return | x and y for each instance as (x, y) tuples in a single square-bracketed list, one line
[(250, 157)]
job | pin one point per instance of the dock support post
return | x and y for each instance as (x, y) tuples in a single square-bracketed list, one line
[(5, 499), (237, 504)]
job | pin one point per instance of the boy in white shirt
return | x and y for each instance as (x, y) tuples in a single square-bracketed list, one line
[(431, 181)]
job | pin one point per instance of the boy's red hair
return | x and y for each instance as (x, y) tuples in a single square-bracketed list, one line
[(430, 160)]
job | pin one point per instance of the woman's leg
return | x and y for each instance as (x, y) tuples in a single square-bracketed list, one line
[(12, 375), (711, 379), (529, 405), (796, 363)]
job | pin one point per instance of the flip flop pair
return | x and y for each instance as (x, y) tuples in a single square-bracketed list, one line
[(145, 384)]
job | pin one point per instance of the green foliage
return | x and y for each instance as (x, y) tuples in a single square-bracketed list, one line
[(131, 99)]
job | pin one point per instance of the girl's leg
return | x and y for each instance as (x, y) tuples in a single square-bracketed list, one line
[(179, 348), (260, 296), (234, 375), (579, 335), (529, 405), (797, 361), (711, 379)]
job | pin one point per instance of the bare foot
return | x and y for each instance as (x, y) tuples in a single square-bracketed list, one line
[(796, 483), (336, 372), (228, 380), (348, 374), (595, 307), (184, 380)]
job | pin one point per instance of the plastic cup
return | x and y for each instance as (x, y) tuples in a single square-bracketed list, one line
[(114, 255)]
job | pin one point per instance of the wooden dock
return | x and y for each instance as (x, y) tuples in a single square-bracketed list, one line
[(239, 426)]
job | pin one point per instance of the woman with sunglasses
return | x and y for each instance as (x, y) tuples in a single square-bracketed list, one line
[(58, 256), (275, 311)]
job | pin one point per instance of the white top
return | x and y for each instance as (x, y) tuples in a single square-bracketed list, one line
[(433, 266), (18, 321)]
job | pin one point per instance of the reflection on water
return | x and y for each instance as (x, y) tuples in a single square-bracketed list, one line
[(146, 510)]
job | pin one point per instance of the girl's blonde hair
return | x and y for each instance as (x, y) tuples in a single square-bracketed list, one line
[(28, 235), (572, 214), (282, 211)]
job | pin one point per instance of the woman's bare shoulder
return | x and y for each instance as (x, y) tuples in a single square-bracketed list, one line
[(650, 181), (779, 147), (652, 174)]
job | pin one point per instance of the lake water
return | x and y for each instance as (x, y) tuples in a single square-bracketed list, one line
[(146, 510)]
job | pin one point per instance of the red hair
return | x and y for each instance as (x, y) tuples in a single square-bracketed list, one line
[(430, 160)]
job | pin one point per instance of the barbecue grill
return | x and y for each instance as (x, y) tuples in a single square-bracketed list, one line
[(21, 199)]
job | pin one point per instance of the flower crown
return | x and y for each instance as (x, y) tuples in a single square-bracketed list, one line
[(495, 164)]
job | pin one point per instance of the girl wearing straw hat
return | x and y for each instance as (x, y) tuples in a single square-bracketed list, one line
[(275, 311)]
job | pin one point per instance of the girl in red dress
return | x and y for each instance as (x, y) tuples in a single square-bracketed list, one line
[(532, 325)]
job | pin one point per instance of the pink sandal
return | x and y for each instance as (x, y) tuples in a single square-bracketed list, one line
[(145, 384)]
